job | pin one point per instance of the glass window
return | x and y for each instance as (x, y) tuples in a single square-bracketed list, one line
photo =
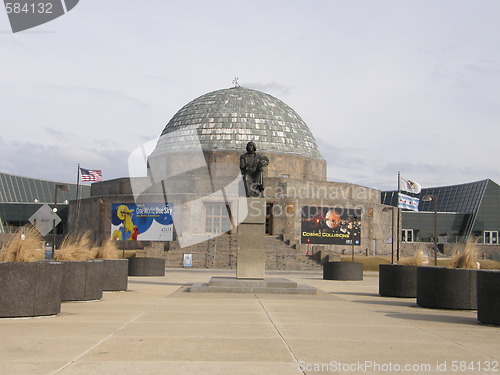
[(216, 218), (407, 235), (490, 237)]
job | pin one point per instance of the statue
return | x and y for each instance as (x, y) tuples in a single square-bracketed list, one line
[(251, 166)]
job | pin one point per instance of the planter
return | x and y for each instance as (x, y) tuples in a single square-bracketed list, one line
[(488, 297), (115, 275), (30, 289), (343, 271), (446, 288), (146, 267), (82, 280), (397, 281)]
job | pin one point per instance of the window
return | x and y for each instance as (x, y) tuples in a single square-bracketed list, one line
[(407, 235), (490, 237), (216, 218)]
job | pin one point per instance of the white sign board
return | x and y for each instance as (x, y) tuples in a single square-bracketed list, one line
[(188, 260), (43, 219)]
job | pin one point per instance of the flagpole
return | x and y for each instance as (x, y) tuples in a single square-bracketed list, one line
[(77, 198), (398, 234)]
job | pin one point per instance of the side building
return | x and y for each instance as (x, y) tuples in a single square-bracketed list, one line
[(462, 211), (21, 197)]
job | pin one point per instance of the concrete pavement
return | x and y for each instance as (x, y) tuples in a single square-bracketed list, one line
[(158, 328)]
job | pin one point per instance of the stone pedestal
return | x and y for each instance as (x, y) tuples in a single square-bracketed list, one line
[(267, 286), (251, 241)]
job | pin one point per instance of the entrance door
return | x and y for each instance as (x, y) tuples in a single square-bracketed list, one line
[(269, 218)]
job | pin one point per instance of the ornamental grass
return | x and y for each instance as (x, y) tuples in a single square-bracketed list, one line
[(466, 258), (418, 259), (25, 245), (76, 247), (108, 250)]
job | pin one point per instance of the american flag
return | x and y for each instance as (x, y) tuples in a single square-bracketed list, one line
[(91, 174)]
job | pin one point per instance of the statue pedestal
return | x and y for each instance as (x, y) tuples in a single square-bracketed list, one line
[(251, 262)]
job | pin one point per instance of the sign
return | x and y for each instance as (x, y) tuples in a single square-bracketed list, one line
[(141, 222), (43, 219), (188, 260), (330, 226)]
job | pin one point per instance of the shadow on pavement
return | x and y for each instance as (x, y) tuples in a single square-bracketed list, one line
[(432, 318)]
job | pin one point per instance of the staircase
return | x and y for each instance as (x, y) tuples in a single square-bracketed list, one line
[(221, 252), (281, 256)]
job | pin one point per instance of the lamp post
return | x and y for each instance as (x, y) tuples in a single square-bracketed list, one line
[(63, 188), (387, 209), (434, 198)]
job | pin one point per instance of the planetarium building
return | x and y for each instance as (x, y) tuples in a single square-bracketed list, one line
[(193, 196)]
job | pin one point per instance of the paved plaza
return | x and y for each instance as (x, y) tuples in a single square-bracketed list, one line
[(156, 327)]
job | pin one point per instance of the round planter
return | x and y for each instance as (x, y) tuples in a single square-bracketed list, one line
[(115, 275), (488, 297), (146, 267), (30, 289), (446, 288), (82, 280), (343, 271), (397, 281)]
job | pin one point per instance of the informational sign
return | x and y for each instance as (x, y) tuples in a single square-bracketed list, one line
[(141, 222), (43, 219), (188, 260), (330, 226)]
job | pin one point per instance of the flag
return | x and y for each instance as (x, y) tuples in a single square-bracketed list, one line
[(91, 174), (410, 203), (409, 185)]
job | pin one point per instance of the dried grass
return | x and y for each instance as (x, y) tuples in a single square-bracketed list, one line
[(417, 259), (76, 247), (108, 250), (25, 245), (468, 257)]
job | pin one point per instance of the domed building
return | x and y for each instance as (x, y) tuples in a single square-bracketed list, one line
[(195, 171), (224, 121)]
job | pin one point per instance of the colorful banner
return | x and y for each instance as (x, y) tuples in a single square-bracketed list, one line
[(330, 226), (141, 222)]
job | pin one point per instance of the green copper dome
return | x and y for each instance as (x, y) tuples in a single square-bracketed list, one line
[(227, 119)]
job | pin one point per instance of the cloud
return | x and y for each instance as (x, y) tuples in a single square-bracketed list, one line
[(59, 163), (269, 87)]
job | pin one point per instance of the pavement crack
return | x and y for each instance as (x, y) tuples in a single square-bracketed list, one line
[(107, 337), (287, 346)]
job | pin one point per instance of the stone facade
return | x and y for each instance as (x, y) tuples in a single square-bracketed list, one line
[(195, 168)]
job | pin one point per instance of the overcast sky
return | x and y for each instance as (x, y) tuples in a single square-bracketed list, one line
[(385, 86)]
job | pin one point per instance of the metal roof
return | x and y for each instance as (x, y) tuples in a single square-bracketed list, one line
[(468, 198), (227, 119), (16, 189)]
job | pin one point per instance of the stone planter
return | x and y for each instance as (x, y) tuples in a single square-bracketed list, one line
[(343, 271), (397, 281), (445, 288), (30, 289), (146, 266), (488, 297), (115, 275), (82, 280)]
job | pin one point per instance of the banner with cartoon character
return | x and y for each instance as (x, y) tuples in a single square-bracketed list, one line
[(141, 222), (330, 226)]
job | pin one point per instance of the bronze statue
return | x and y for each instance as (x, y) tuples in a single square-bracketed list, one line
[(252, 167)]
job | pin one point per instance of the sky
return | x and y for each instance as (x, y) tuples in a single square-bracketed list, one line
[(384, 85)]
